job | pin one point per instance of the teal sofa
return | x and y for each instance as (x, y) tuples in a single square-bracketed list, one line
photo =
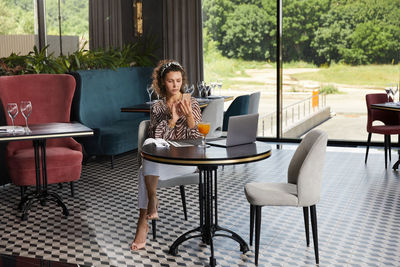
[(99, 97)]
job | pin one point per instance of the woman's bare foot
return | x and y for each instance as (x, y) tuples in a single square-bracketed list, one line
[(152, 209), (141, 235)]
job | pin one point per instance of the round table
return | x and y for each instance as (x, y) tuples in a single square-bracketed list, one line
[(207, 160)]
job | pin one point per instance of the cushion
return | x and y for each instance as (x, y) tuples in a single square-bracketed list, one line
[(271, 194)]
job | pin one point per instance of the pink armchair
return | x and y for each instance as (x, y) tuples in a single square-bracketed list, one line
[(51, 97)]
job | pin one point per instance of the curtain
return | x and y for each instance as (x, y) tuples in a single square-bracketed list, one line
[(105, 24), (183, 38)]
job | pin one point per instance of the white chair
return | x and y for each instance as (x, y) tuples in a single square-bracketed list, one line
[(254, 102), (214, 114), (180, 181), (302, 189)]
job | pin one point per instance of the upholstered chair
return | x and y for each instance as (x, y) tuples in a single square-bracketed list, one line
[(51, 98), (214, 114), (180, 181), (302, 188), (390, 120), (254, 103), (239, 106)]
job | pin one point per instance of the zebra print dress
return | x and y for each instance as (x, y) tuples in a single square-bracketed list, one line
[(160, 115)]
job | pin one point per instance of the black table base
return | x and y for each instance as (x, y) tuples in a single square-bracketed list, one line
[(208, 216), (41, 194)]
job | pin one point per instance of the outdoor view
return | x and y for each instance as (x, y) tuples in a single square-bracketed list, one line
[(343, 49), (18, 25)]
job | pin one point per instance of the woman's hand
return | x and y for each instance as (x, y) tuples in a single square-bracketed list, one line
[(175, 115), (185, 108)]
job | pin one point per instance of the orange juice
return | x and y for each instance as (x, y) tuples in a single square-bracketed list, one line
[(204, 128)]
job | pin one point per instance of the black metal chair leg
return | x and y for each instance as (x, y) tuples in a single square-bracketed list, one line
[(60, 185), (153, 226), (251, 224), (390, 147), (368, 143), (112, 161), (258, 232), (183, 197), (313, 211), (306, 225), (385, 145), (72, 189), (23, 190)]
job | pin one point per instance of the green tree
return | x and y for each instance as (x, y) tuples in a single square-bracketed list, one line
[(246, 36)]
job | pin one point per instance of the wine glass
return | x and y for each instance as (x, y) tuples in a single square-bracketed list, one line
[(189, 89), (150, 91), (204, 128), (26, 109), (200, 88), (393, 91), (12, 109), (219, 85)]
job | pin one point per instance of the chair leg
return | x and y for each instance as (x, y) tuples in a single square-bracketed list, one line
[(390, 148), (251, 224), (313, 211), (60, 185), (385, 145), (23, 191), (72, 189), (183, 197), (306, 225), (112, 161), (368, 143), (258, 232), (153, 226)]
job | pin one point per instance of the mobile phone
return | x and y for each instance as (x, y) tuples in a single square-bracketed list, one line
[(186, 96)]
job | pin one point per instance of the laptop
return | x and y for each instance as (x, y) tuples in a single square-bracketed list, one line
[(241, 130)]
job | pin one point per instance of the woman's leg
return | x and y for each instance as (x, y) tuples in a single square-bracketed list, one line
[(151, 186), (142, 229)]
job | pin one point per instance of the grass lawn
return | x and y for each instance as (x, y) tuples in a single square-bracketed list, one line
[(217, 67), (369, 75)]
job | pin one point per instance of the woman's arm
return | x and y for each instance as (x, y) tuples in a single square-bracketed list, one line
[(161, 125)]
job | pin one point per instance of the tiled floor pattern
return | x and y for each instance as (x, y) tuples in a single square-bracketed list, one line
[(358, 218)]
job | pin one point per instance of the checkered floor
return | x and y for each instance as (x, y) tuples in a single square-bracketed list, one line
[(358, 218)]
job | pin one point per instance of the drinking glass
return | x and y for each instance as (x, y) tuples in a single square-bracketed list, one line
[(387, 90), (189, 89), (204, 128), (219, 85), (150, 91), (26, 109), (200, 88), (12, 109)]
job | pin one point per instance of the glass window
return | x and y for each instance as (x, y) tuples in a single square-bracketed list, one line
[(17, 30), (239, 53), (336, 52), (70, 19)]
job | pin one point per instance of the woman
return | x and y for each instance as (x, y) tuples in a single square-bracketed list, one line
[(170, 119)]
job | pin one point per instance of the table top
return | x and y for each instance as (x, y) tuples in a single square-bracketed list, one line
[(145, 107), (393, 106), (213, 155), (49, 130)]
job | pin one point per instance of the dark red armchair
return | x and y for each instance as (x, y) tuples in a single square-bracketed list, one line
[(390, 120), (51, 98)]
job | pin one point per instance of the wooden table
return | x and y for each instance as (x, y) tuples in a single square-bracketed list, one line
[(145, 107), (39, 134), (208, 160)]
